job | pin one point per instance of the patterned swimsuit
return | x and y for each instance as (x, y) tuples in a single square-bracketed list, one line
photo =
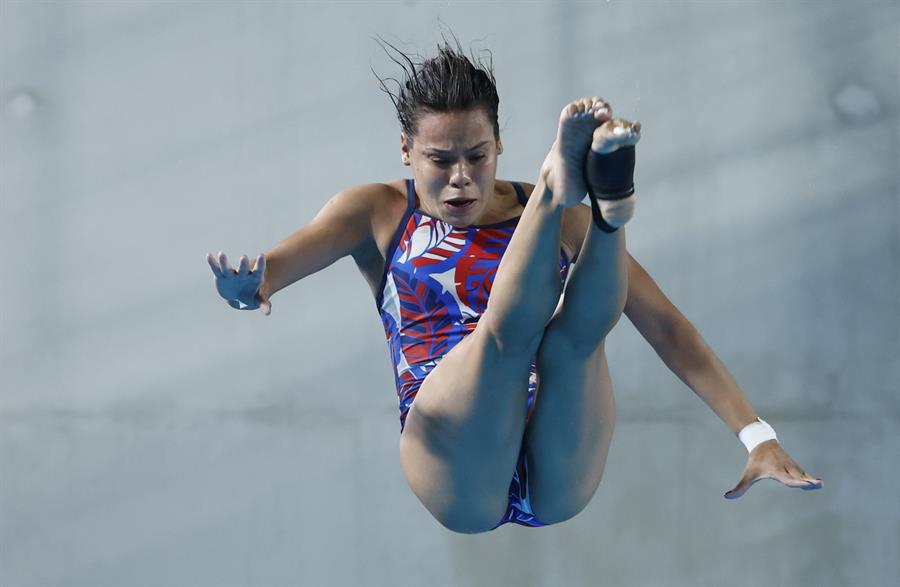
[(434, 288)]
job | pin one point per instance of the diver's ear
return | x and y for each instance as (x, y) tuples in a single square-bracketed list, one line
[(499, 146), (404, 149)]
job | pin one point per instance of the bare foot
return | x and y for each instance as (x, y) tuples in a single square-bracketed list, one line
[(563, 168)]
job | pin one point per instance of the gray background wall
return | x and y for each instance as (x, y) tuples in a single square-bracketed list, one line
[(150, 435)]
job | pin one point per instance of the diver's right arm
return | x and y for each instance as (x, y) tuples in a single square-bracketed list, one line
[(342, 227)]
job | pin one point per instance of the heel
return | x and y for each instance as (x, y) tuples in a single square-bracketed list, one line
[(595, 209)]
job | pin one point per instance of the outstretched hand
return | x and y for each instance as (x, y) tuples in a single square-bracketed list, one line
[(769, 461), (242, 283)]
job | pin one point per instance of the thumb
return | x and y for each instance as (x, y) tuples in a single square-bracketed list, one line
[(266, 306), (739, 489)]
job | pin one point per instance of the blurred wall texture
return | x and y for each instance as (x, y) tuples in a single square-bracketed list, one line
[(152, 436)]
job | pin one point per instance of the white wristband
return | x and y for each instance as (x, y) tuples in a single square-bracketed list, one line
[(756, 433)]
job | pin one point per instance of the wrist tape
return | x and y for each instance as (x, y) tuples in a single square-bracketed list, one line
[(610, 178), (756, 433)]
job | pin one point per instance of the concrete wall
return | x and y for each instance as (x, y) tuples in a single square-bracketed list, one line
[(152, 436)]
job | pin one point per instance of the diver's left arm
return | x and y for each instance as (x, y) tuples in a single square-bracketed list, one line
[(681, 347)]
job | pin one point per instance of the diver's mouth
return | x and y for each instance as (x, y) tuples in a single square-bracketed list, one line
[(459, 203)]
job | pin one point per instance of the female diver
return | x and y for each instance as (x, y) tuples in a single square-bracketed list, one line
[(506, 402)]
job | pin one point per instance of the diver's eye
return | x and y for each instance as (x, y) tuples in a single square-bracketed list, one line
[(478, 158), (439, 161)]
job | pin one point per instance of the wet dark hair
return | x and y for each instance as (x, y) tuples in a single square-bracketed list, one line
[(449, 82)]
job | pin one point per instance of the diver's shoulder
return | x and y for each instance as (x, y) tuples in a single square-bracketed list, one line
[(386, 202), (374, 197), (374, 191)]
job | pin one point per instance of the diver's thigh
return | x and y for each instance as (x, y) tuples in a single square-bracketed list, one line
[(463, 433), (570, 430), (476, 385)]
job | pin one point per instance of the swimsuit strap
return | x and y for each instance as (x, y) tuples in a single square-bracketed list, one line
[(395, 240), (410, 197), (520, 193)]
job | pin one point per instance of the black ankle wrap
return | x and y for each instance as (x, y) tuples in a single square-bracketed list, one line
[(610, 177)]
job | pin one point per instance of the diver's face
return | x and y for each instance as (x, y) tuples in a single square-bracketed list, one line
[(454, 164)]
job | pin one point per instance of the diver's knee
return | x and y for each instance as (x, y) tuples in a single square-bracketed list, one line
[(470, 520), (559, 510)]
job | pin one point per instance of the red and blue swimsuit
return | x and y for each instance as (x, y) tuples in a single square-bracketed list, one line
[(434, 289)]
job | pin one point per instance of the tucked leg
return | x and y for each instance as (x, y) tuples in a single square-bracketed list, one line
[(571, 427)]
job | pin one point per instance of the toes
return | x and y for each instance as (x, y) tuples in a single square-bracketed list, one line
[(569, 110), (595, 105), (615, 133), (583, 107)]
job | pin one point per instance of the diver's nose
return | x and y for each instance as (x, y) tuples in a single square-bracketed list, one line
[(460, 177)]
